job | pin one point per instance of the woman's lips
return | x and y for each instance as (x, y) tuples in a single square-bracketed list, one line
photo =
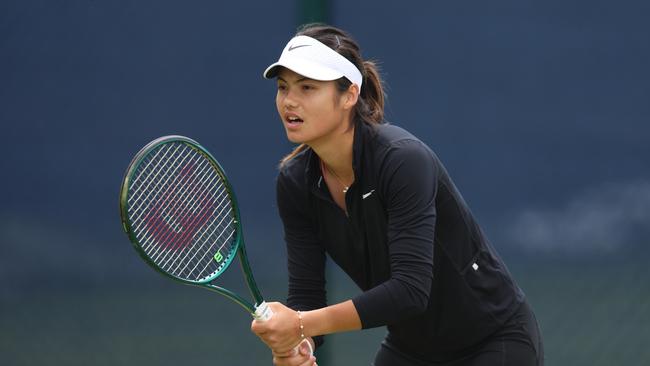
[(293, 121)]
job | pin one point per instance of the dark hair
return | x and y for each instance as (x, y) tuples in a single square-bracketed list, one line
[(370, 105)]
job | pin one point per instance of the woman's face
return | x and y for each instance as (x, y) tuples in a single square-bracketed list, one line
[(312, 112)]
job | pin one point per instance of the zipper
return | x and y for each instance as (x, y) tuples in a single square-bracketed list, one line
[(321, 194)]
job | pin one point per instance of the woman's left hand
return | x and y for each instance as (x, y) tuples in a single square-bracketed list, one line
[(282, 331)]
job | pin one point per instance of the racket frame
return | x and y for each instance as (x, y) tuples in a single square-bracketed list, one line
[(253, 309)]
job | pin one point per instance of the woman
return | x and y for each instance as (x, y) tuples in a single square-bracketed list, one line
[(382, 206)]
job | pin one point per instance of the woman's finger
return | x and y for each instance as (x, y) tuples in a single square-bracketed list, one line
[(284, 354), (294, 360)]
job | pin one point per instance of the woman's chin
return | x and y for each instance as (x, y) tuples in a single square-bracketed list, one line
[(295, 138)]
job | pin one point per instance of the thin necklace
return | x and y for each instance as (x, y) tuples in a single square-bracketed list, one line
[(324, 167)]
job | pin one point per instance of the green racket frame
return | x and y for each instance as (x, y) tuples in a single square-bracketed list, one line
[(238, 241)]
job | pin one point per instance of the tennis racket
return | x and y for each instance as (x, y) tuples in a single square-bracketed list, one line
[(181, 215)]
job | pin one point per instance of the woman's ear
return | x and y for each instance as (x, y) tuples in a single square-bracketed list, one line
[(351, 96)]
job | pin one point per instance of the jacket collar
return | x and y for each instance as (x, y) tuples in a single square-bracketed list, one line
[(313, 174)]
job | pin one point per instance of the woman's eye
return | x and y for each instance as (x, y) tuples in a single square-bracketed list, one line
[(307, 87), (282, 87)]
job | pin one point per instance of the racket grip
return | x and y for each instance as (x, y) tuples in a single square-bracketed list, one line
[(263, 313)]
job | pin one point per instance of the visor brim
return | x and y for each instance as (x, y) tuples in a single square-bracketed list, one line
[(305, 68)]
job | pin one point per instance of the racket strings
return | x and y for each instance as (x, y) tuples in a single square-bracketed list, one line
[(175, 258), (181, 212), (159, 204), (219, 229), (142, 185), (168, 260), (174, 204)]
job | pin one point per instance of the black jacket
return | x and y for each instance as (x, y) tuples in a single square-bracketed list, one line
[(408, 240)]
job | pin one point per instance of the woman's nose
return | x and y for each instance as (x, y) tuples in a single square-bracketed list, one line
[(289, 101)]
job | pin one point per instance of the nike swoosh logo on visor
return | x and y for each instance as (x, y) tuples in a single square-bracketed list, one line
[(291, 48)]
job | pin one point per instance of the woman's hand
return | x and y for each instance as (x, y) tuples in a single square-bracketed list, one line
[(296, 357), (282, 332)]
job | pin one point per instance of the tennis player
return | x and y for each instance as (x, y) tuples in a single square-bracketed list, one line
[(380, 203)]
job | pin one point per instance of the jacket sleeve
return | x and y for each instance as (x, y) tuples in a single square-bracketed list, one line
[(408, 183), (305, 254)]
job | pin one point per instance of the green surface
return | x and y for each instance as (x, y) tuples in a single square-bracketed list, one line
[(589, 314)]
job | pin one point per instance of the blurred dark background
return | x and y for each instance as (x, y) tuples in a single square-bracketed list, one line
[(539, 110)]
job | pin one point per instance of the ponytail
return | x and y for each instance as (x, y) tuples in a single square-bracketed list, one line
[(370, 106)]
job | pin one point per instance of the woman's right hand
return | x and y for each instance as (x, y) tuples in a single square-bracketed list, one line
[(296, 357)]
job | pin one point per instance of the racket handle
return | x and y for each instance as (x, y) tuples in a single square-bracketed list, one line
[(263, 313)]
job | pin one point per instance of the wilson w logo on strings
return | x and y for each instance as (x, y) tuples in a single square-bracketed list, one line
[(183, 207)]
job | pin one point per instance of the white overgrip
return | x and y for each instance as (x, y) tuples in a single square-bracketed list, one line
[(263, 312)]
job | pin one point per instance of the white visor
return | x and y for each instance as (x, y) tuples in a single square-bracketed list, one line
[(310, 58)]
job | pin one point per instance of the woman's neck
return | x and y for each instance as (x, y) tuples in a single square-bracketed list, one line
[(337, 155)]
